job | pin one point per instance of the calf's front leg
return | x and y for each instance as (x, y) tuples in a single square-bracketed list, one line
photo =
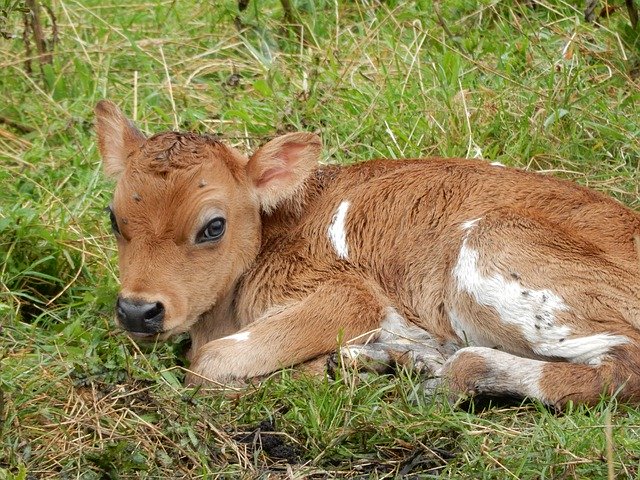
[(343, 309)]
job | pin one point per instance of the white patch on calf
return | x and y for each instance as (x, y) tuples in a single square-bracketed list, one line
[(469, 224), (467, 332), (352, 352), (238, 337), (589, 350), (395, 327), (337, 232), (398, 338), (532, 311), (506, 373)]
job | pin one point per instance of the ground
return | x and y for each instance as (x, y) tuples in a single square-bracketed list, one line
[(527, 84)]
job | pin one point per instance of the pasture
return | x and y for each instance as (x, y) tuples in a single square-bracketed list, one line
[(534, 87)]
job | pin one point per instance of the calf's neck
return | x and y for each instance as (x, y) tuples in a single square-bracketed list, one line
[(493, 280)]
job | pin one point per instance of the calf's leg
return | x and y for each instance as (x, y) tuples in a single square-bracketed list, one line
[(485, 371), (343, 309), (399, 344)]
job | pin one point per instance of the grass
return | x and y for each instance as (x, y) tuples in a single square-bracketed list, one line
[(536, 88)]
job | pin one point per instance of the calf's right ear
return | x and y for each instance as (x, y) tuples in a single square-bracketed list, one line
[(117, 137), (280, 167)]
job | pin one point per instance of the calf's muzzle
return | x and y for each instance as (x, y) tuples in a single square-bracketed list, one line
[(140, 317)]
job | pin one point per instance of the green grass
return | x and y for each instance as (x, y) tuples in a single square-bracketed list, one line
[(536, 88)]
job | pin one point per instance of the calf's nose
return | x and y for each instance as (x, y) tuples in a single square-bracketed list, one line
[(138, 316)]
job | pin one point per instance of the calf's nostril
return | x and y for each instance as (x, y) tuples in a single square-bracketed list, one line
[(154, 311)]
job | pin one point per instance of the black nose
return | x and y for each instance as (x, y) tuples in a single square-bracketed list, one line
[(137, 316)]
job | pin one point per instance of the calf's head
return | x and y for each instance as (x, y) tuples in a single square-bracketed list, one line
[(186, 213)]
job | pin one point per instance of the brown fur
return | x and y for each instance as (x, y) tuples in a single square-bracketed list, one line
[(277, 278)]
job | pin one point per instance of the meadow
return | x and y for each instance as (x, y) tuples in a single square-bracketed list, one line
[(528, 84)]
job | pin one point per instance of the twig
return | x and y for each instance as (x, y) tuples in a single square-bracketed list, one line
[(176, 126), (14, 138), (589, 10), (75, 31), (607, 10), (1, 408), (27, 44), (477, 151), (289, 16), (633, 13), (18, 126), (54, 28), (608, 435), (68, 285), (443, 23), (38, 34), (135, 95)]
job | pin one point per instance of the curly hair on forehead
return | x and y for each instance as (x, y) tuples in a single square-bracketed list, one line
[(176, 150), (168, 152)]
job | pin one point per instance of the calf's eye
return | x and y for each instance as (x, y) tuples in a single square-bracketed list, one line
[(114, 222), (212, 231)]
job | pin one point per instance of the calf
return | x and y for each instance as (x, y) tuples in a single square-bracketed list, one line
[(495, 280)]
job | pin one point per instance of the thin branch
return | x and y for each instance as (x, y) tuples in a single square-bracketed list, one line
[(38, 34), (633, 13), (15, 125)]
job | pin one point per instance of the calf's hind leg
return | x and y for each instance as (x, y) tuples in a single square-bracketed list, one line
[(343, 309), (562, 314), (398, 344), (489, 372)]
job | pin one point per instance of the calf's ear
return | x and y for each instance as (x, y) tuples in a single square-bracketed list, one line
[(280, 167), (117, 137)]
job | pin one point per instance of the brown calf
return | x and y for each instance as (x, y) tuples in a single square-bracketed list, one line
[(496, 280)]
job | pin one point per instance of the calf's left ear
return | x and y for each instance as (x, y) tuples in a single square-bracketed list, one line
[(117, 137), (280, 167)]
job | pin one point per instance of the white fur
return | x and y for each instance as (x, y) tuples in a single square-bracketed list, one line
[(238, 337), (525, 308), (467, 332), (496, 164), (589, 350), (469, 224), (507, 372), (395, 327), (337, 232), (352, 352), (458, 325), (532, 311), (524, 372)]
